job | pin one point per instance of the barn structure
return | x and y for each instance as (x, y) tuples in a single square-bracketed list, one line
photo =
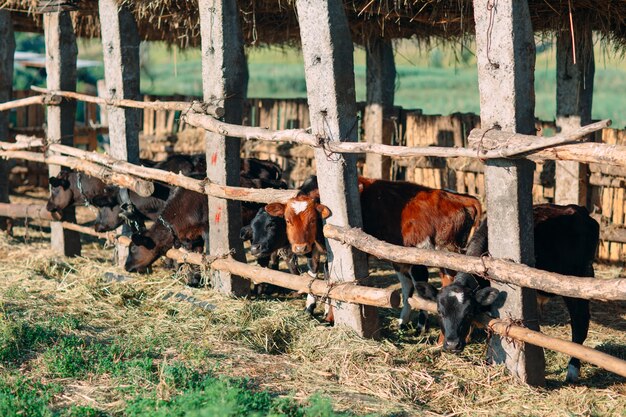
[(504, 33)]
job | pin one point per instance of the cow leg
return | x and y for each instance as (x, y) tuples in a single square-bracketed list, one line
[(419, 273), (579, 316), (313, 263), (274, 261), (292, 264), (328, 308), (407, 292)]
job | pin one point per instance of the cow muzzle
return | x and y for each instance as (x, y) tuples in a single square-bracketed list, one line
[(300, 248), (453, 345)]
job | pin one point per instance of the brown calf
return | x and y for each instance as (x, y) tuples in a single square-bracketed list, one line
[(401, 213)]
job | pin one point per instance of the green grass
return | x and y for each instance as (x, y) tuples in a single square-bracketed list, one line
[(62, 353)]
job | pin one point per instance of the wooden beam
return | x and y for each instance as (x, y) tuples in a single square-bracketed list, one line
[(329, 72), (584, 152), (61, 55), (194, 106), (224, 80), (506, 62), (30, 211), (7, 52), (127, 173), (120, 45), (141, 187), (496, 269), (574, 97), (381, 83)]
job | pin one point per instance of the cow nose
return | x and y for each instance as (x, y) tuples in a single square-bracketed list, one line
[(300, 249), (255, 249), (452, 345)]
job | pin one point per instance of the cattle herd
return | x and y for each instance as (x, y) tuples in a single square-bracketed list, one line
[(397, 212)]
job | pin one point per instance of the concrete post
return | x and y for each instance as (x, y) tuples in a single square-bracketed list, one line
[(381, 83), (224, 79), (120, 47), (574, 96), (7, 51), (61, 54), (329, 72), (506, 63)]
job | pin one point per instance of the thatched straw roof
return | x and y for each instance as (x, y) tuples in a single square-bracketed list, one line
[(274, 22)]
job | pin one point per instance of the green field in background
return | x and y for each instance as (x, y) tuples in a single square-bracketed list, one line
[(436, 79)]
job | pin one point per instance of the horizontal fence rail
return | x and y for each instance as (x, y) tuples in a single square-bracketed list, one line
[(195, 106), (497, 269), (616, 155), (137, 177)]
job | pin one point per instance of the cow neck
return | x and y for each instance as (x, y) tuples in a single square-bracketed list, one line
[(170, 229), (81, 190)]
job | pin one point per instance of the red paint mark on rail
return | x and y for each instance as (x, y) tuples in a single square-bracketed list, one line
[(214, 158)]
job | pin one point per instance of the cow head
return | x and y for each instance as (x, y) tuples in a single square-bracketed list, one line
[(457, 305), (61, 195), (267, 234), (142, 252), (301, 214)]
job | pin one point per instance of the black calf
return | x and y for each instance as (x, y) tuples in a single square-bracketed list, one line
[(566, 238), (268, 238)]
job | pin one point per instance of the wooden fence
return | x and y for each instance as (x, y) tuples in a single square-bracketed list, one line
[(413, 129), (121, 172)]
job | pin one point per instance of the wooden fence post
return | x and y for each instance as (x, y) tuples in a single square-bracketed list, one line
[(329, 72), (506, 62), (61, 54), (381, 83), (120, 46), (225, 79), (574, 96), (7, 51)]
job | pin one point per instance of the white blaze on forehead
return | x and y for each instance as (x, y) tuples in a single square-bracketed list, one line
[(299, 206), (458, 295)]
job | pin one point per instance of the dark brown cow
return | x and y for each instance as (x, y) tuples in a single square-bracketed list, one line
[(184, 220), (400, 213), (71, 188), (566, 239)]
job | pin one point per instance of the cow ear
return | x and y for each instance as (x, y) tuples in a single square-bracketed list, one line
[(64, 183), (54, 182), (245, 233), (323, 211), (486, 296), (425, 290), (275, 209)]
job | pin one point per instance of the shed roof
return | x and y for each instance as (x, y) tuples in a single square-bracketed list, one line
[(274, 22)]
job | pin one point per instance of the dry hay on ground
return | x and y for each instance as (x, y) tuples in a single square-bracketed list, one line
[(272, 341)]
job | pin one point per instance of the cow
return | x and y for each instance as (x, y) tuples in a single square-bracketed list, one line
[(397, 212), (566, 239), (184, 219), (72, 188), (268, 241), (132, 208)]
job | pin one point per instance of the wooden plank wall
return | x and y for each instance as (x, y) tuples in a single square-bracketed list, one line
[(610, 201)]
